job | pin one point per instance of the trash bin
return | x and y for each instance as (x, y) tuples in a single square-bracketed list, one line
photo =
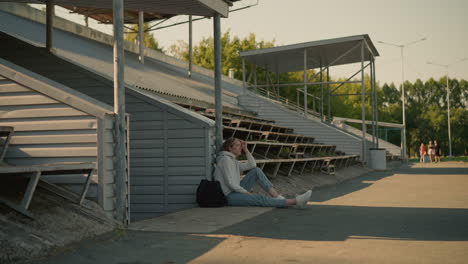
[(377, 159)]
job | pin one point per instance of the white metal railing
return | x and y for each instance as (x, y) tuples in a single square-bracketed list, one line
[(285, 101)]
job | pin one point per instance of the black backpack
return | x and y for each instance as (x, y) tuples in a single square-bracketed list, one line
[(210, 194)]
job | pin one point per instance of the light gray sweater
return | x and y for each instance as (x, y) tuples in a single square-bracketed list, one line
[(228, 171)]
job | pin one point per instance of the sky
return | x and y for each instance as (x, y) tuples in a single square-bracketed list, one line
[(443, 22)]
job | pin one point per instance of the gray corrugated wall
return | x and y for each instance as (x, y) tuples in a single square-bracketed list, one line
[(168, 156), (301, 125), (48, 131), (168, 160)]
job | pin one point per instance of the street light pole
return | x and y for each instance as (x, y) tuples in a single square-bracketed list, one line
[(446, 66), (403, 104), (403, 101)]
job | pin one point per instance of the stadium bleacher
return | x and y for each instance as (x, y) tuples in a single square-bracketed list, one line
[(278, 150)]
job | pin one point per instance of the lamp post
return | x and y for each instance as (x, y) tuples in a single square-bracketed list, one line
[(403, 139), (446, 66)]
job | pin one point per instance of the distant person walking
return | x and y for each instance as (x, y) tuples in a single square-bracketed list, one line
[(422, 153), (437, 151), (431, 151)]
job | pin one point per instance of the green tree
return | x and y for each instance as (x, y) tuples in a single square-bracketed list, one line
[(203, 52), (131, 35), (426, 105)]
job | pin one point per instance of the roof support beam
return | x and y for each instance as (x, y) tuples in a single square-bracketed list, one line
[(375, 103), (217, 82), (328, 93), (305, 82), (321, 93), (363, 110), (119, 110), (372, 103), (50, 12), (141, 36), (190, 47)]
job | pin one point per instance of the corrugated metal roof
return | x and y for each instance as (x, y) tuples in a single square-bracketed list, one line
[(105, 15), (290, 58), (171, 7), (154, 75), (89, 87)]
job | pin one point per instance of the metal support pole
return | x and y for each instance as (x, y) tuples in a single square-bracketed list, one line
[(329, 93), (448, 116), (119, 110), (190, 47), (217, 79), (50, 13), (363, 112), (267, 83), (321, 94), (277, 81), (297, 98), (244, 84), (372, 103), (403, 106), (255, 77), (376, 104), (305, 82), (141, 36)]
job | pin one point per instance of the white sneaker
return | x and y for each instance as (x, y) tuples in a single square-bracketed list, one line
[(281, 197), (301, 200)]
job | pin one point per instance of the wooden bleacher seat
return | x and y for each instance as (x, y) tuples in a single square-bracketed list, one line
[(34, 173), (327, 167), (278, 149)]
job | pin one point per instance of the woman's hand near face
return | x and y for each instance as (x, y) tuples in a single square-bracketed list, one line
[(244, 146)]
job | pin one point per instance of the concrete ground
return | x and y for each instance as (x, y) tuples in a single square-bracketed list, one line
[(414, 214)]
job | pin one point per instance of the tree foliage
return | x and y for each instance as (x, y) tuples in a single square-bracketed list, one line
[(203, 52), (131, 35), (426, 101)]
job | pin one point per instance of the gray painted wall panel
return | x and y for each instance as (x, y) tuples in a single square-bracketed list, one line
[(146, 143), (47, 131), (143, 199), (146, 162)]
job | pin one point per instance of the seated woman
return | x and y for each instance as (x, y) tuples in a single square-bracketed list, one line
[(237, 191)]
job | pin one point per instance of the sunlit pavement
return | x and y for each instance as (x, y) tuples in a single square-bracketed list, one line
[(415, 214)]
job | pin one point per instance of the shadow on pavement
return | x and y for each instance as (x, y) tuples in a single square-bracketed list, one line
[(338, 223), (136, 247), (329, 192)]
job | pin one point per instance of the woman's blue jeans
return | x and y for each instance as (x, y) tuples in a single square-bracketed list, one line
[(254, 176)]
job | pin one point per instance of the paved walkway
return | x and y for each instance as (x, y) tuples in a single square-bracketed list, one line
[(415, 214)]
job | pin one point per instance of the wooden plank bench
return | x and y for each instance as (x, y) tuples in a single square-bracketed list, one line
[(34, 172), (265, 149), (273, 166), (239, 115), (250, 124)]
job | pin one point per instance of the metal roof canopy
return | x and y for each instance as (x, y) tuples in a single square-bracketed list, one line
[(173, 7), (105, 15), (321, 53)]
